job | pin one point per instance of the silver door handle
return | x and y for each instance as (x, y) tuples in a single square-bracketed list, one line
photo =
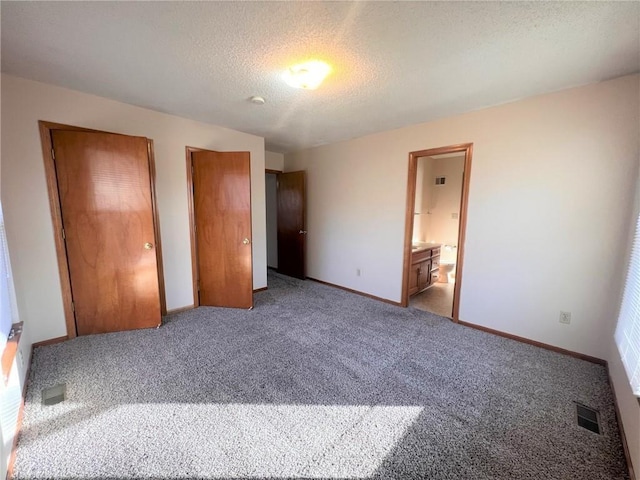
[(302, 232), (246, 241)]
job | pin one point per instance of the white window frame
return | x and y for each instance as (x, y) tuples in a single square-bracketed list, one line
[(7, 295), (627, 334)]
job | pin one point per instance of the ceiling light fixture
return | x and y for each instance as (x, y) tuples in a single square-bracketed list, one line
[(308, 75), (257, 100)]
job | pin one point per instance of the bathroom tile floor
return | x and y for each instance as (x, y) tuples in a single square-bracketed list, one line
[(436, 299)]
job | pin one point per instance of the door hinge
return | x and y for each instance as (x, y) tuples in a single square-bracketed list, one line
[(198, 285), (73, 307), (53, 154), (64, 236)]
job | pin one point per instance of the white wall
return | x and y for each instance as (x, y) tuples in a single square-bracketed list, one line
[(421, 216), (425, 177), (442, 201), (552, 184), (628, 405), (445, 200), (11, 399), (273, 161), (26, 204), (272, 219)]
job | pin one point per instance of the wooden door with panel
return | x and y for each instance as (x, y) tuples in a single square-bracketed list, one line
[(222, 219), (105, 193), (292, 233)]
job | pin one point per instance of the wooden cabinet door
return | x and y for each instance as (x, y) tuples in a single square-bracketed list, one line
[(104, 184), (414, 274), (435, 267), (433, 276), (424, 277)]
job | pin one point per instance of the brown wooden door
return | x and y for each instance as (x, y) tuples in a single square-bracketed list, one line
[(104, 187), (292, 234), (222, 211)]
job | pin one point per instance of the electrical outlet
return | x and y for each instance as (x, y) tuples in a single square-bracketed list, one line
[(565, 317), (357, 272)]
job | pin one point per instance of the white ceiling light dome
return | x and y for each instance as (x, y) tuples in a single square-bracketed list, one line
[(308, 75)]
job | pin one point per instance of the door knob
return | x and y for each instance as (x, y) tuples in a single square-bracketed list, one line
[(246, 241), (302, 232), (148, 246)]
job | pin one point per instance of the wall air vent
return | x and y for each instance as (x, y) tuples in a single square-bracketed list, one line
[(440, 180), (588, 418)]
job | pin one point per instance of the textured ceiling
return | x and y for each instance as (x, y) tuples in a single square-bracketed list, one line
[(395, 63)]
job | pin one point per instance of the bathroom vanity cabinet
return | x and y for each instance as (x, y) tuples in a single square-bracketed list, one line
[(425, 263)]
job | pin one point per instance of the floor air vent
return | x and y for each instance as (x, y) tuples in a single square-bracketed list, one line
[(53, 395), (588, 418)]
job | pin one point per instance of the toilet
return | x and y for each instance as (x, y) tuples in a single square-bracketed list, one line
[(447, 273), (447, 269)]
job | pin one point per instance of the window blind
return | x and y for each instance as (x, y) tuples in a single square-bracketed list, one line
[(628, 330), (5, 286)]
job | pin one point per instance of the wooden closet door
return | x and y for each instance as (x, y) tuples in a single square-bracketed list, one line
[(222, 211), (104, 186), (292, 233)]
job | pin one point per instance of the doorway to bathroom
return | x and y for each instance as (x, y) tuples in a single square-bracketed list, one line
[(437, 196)]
